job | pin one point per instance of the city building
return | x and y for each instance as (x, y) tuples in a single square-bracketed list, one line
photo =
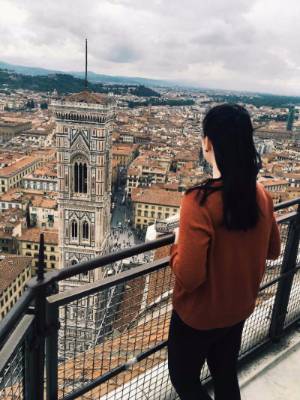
[(38, 137), (43, 178), (11, 175), (145, 171), (40, 206), (182, 158), (293, 178), (15, 271), (274, 185), (29, 246), (150, 204), (10, 127), (123, 154), (12, 221), (126, 137), (43, 211)]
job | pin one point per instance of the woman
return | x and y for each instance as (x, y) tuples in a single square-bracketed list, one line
[(227, 230)]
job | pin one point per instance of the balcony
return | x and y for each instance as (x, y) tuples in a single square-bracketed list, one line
[(107, 339)]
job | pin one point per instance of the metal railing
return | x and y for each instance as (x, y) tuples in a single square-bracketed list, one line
[(108, 339)]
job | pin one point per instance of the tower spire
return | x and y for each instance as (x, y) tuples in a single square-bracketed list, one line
[(85, 80)]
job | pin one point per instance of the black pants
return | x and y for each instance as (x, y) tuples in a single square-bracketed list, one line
[(187, 350)]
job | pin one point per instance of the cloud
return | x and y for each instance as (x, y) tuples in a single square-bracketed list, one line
[(233, 44)]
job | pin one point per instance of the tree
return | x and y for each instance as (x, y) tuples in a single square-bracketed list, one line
[(44, 106), (30, 104)]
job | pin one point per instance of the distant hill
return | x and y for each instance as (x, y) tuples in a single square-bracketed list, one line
[(27, 70), (258, 99), (92, 76), (65, 83)]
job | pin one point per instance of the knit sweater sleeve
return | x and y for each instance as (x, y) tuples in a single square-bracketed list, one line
[(188, 258)]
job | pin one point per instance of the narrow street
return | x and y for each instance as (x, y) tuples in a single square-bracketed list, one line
[(121, 212), (122, 234)]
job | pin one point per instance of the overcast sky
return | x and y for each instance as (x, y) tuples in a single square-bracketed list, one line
[(231, 44)]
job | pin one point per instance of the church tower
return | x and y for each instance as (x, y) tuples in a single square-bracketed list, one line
[(83, 139), (84, 146)]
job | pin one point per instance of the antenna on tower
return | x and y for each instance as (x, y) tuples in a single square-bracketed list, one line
[(85, 80)]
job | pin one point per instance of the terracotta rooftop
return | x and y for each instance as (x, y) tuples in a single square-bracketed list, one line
[(181, 156), (37, 197), (292, 175), (133, 171), (137, 333), (122, 150), (89, 98), (45, 152), (171, 186), (101, 359), (42, 202), (156, 196), (45, 171), (10, 157), (271, 182), (11, 217), (12, 122), (33, 235), (10, 268), (18, 166)]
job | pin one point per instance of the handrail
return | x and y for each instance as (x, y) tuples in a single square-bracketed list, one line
[(16, 337), (101, 261), (13, 316), (287, 203), (15, 313), (91, 288), (42, 300), (143, 247)]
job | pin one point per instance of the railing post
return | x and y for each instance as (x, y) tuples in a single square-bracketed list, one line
[(285, 284), (28, 377), (36, 347), (53, 325)]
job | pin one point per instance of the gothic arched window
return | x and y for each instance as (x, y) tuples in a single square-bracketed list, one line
[(76, 177), (84, 186), (85, 230), (80, 177), (74, 229)]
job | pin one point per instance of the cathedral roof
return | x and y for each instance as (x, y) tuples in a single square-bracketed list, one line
[(89, 97)]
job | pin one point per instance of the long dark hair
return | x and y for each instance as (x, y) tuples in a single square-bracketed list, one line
[(230, 130)]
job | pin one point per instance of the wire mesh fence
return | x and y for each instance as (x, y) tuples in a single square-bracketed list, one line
[(12, 376), (132, 323), (112, 335), (293, 310), (273, 267)]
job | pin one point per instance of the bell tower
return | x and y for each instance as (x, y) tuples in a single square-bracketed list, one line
[(83, 140), (84, 146)]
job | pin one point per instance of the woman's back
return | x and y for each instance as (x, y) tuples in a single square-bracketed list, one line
[(218, 271)]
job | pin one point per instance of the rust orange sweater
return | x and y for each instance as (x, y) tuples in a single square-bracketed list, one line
[(218, 272)]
